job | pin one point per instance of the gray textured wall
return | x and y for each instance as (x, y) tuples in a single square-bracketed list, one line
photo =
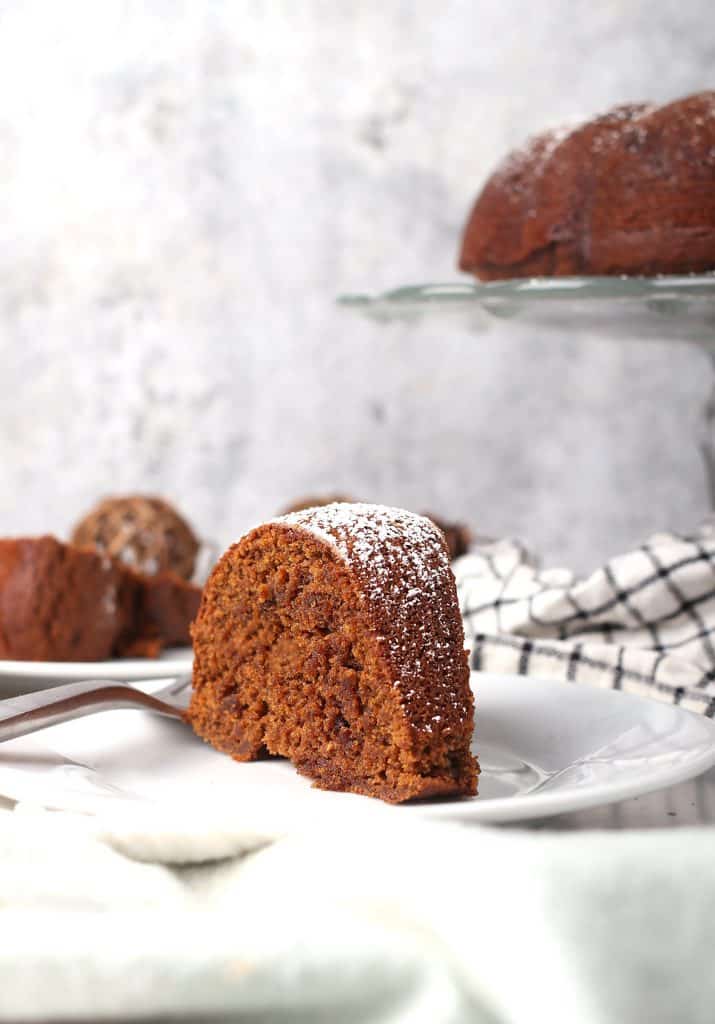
[(185, 187)]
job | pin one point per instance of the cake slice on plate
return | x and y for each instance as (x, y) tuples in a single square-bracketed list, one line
[(332, 636)]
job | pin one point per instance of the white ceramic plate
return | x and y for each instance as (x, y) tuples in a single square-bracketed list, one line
[(669, 307), (545, 748), (27, 676)]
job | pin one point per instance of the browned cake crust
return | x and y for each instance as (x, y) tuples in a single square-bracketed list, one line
[(333, 637), (145, 533), (630, 192), (59, 602)]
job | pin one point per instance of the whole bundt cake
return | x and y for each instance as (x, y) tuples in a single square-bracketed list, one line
[(631, 192), (332, 636)]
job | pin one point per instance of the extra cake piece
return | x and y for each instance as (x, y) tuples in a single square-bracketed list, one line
[(60, 602), (165, 605), (143, 532), (332, 636), (631, 192)]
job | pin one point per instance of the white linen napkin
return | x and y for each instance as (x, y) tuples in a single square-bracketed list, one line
[(405, 922), (644, 622)]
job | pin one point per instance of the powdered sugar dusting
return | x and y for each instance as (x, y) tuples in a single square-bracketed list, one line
[(109, 600), (402, 565), (536, 151), (382, 539)]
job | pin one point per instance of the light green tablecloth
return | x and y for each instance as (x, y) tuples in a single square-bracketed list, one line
[(381, 921)]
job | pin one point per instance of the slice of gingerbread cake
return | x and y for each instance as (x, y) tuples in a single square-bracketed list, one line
[(61, 602), (332, 636)]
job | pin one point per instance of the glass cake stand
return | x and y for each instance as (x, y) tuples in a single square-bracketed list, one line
[(665, 308)]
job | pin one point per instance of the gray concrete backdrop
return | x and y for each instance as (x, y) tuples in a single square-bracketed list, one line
[(185, 187)]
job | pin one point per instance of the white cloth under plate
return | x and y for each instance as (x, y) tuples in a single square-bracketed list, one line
[(644, 622), (412, 923)]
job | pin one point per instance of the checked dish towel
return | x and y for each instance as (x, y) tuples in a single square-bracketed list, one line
[(643, 623)]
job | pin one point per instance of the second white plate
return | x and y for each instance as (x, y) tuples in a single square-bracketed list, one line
[(28, 676)]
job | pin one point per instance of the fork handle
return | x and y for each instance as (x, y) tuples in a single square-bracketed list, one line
[(35, 711)]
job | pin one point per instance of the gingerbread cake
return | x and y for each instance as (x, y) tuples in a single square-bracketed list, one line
[(631, 192), (332, 636), (60, 602), (143, 532)]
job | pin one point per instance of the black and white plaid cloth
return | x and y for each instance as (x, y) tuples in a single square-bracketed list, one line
[(643, 623)]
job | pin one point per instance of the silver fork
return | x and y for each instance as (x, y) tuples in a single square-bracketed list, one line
[(34, 711)]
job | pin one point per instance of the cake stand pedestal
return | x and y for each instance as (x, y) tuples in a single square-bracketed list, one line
[(706, 441)]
